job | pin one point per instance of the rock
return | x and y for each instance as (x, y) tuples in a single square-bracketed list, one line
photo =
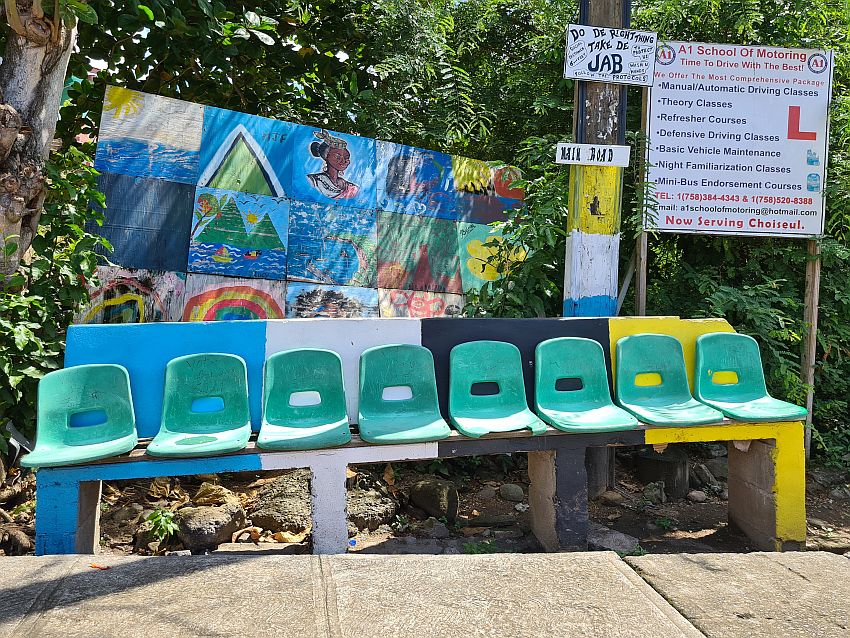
[(654, 492), (825, 476), (511, 492), (522, 507), (601, 537), (701, 476), (125, 515), (719, 468), (697, 496), (369, 509), (153, 547), (816, 522), (486, 493), (432, 528), (840, 493), (179, 552), (437, 497), (724, 494), (670, 467), (716, 450), (144, 536), (496, 520), (207, 526), (610, 497), (508, 533), (284, 504)]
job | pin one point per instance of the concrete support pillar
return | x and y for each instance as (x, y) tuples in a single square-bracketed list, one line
[(330, 509), (558, 498)]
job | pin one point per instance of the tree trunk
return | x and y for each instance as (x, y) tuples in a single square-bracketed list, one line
[(32, 77)]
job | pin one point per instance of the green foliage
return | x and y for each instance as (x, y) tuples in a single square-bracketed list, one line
[(162, 523), (37, 302)]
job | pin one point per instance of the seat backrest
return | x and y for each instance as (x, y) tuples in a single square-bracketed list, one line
[(205, 393), (85, 404), (573, 361), (485, 375), (390, 373), (292, 374), (650, 369), (728, 368)]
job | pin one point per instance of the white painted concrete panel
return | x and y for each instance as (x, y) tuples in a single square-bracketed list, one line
[(592, 262)]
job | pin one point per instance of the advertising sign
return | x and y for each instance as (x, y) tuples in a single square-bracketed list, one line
[(603, 54), (738, 139), (592, 154)]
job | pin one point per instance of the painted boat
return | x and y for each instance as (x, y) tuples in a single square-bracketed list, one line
[(222, 255)]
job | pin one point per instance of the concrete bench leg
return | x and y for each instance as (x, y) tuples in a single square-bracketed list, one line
[(558, 498), (330, 510), (67, 517)]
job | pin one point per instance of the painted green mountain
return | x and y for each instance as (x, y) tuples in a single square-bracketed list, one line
[(241, 170), (227, 228), (264, 235)]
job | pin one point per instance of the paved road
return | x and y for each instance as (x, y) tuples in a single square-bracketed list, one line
[(503, 595)]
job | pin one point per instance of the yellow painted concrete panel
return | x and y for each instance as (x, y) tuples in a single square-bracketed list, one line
[(701, 434), (595, 199), (685, 330)]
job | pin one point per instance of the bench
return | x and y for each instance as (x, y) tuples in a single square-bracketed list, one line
[(766, 459)]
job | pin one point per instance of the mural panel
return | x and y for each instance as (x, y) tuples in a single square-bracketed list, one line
[(415, 181), (419, 304), (133, 296), (239, 234), (146, 220), (311, 301), (418, 253), (331, 168), (244, 153), (482, 194), (149, 136), (214, 298), (332, 245), (477, 244)]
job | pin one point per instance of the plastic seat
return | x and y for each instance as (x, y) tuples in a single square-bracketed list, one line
[(586, 409), (745, 396), (391, 371), (295, 421), (499, 365), (85, 413), (205, 407), (652, 382)]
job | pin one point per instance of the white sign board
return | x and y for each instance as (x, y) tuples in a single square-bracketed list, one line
[(738, 139), (592, 154), (603, 54)]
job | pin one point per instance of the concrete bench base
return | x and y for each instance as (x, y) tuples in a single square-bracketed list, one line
[(766, 482)]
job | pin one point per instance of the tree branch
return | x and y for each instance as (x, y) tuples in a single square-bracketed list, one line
[(14, 18)]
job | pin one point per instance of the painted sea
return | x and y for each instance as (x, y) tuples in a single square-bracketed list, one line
[(220, 259), (147, 159)]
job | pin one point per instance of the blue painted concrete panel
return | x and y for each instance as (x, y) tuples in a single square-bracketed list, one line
[(415, 181), (596, 306), (145, 349)]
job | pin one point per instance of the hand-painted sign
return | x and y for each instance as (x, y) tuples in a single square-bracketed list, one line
[(592, 154), (603, 54), (738, 139)]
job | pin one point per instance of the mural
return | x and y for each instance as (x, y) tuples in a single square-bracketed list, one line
[(149, 136), (482, 194), (332, 245), (331, 168), (477, 243), (418, 253), (214, 298), (133, 296), (146, 220), (419, 304), (239, 234), (243, 152), (311, 300), (415, 181)]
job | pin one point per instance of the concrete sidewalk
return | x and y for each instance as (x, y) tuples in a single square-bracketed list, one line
[(506, 595)]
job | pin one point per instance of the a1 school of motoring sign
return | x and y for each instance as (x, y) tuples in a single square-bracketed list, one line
[(738, 139)]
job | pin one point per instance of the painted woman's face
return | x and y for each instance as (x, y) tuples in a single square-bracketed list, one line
[(338, 158)]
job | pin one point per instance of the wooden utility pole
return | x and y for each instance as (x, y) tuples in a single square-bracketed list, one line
[(810, 318), (593, 246)]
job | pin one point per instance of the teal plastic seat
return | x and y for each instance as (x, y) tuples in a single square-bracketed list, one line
[(398, 396), (205, 407), (499, 365), (652, 382), (294, 419), (85, 413), (742, 394), (586, 409)]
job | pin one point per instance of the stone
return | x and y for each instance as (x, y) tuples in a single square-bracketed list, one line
[(600, 537), (179, 552), (486, 493), (719, 468), (724, 494), (610, 497), (494, 520), (437, 497), (284, 504), (432, 528), (716, 450), (369, 509), (654, 492), (144, 536), (670, 467), (697, 496), (125, 515), (701, 476), (207, 526), (511, 492), (840, 493), (522, 507)]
